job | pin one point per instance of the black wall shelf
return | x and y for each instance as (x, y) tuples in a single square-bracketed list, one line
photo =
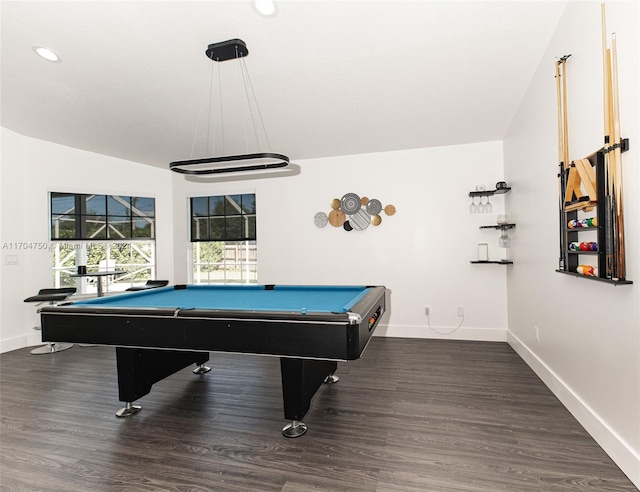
[(500, 191), (498, 226), (496, 262), (598, 279)]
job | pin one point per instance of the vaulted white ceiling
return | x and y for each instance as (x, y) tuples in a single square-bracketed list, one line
[(330, 77)]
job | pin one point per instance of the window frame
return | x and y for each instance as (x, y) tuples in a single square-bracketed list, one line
[(91, 224), (231, 259), (237, 219)]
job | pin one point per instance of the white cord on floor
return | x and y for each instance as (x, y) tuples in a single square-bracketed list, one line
[(444, 332)]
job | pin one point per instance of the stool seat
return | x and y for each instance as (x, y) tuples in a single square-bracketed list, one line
[(51, 296), (47, 298), (151, 284)]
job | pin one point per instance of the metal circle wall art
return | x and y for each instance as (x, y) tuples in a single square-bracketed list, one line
[(353, 213)]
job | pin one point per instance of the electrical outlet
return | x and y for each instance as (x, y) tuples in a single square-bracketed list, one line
[(460, 311), (537, 334), (11, 260), (426, 310)]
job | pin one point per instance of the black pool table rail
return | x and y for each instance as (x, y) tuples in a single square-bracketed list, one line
[(316, 335)]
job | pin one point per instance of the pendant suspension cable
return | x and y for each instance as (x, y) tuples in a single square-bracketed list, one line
[(195, 135), (221, 111), (199, 120), (208, 140), (253, 94), (245, 74), (244, 121)]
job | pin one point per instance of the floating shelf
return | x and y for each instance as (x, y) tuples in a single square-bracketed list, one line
[(495, 262), (501, 191), (598, 279), (499, 226)]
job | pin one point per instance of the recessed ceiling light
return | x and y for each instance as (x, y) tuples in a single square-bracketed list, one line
[(47, 54), (266, 8)]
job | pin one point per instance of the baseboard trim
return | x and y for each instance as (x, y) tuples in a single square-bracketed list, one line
[(22, 341), (611, 442), (442, 333)]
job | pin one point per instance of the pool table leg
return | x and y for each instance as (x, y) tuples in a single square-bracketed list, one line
[(201, 369), (129, 410), (301, 378), (139, 369)]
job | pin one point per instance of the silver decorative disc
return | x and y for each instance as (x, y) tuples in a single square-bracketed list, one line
[(360, 220), (350, 203), (374, 207), (320, 219)]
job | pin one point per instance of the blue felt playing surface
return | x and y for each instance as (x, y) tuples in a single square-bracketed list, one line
[(334, 299)]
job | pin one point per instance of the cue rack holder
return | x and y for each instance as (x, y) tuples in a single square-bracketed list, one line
[(576, 232), (590, 189)]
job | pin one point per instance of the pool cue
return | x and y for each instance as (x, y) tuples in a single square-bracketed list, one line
[(572, 185), (619, 211), (609, 246), (562, 220), (560, 168), (562, 263), (565, 119)]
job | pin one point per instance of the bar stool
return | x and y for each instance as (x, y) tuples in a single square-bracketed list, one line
[(151, 284), (51, 296)]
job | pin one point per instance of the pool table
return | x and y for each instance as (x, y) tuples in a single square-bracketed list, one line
[(158, 332)]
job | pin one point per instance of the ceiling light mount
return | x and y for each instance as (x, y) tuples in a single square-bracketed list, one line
[(233, 49), (227, 50)]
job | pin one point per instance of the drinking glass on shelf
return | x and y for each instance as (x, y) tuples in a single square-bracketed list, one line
[(487, 206), (504, 241), (481, 206), (502, 219), (473, 208)]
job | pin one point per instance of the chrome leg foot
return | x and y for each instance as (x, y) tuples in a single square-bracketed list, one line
[(201, 369), (331, 379), (294, 429), (129, 410), (51, 348)]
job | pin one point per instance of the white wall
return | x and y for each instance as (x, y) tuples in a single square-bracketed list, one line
[(421, 253), (589, 348), (30, 169)]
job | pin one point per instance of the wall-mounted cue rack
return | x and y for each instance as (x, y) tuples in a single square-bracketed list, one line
[(593, 183), (603, 220)]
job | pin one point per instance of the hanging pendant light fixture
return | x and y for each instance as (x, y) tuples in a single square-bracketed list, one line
[(234, 49)]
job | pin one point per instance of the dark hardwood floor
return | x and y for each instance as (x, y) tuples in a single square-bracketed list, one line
[(410, 415)]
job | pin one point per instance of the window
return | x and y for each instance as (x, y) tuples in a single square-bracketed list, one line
[(102, 232), (223, 233), (223, 218), (78, 216)]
